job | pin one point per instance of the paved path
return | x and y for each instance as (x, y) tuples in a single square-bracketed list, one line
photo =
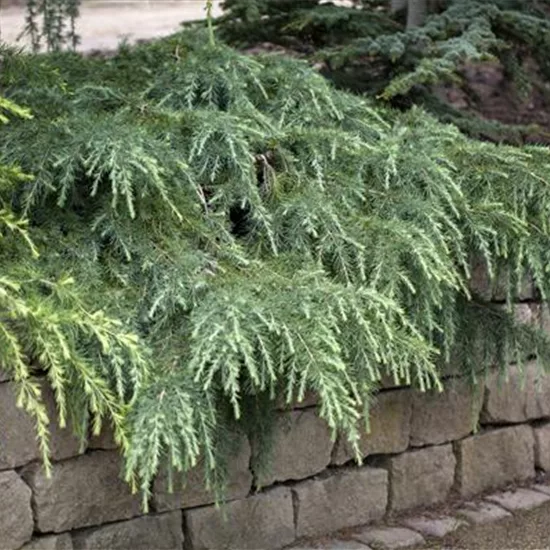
[(525, 531), (102, 25)]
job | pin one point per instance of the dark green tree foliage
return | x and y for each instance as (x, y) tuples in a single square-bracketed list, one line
[(264, 234), (367, 48)]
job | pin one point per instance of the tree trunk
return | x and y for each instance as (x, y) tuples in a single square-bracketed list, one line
[(416, 13), (397, 5)]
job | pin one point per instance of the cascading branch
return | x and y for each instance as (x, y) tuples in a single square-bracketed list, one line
[(262, 233)]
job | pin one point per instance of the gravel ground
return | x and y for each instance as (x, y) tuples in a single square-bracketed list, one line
[(525, 531), (103, 25)]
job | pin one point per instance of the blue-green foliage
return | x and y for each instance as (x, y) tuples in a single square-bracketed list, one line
[(264, 235)]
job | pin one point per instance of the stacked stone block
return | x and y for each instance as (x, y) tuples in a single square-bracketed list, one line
[(421, 449)]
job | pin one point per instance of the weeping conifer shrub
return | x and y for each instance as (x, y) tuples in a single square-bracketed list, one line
[(47, 330), (263, 234)]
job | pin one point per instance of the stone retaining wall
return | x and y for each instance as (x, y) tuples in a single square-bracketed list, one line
[(422, 450)]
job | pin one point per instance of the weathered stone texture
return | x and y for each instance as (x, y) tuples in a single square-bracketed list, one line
[(18, 444), (519, 499), (541, 488), (390, 422), (194, 492), (421, 478), (349, 497), (542, 447), (302, 447), (524, 396), (4, 375), (389, 538), (480, 513), (63, 444), (17, 434), (495, 290), (261, 521), (16, 522), (50, 542), (493, 459), (161, 532), (81, 492), (104, 441), (434, 527), (439, 417)]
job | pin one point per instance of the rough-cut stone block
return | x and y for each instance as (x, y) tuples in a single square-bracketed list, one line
[(18, 443), (161, 532), (433, 527), (480, 513), (541, 488), (4, 375), (389, 428), (388, 382), (261, 521), (302, 447), (334, 544), (349, 497), (63, 443), (524, 396), (310, 399), (488, 290), (81, 492), (17, 434), (104, 441), (421, 478), (194, 492), (519, 499), (542, 447), (16, 522), (389, 538), (344, 545), (493, 459), (439, 417), (51, 542)]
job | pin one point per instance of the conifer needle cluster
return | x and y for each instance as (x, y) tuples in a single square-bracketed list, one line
[(220, 234)]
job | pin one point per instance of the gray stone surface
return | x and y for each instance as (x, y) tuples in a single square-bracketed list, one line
[(519, 499), (433, 527), (158, 532), (524, 396), (50, 542), (18, 444), (493, 459), (389, 537), (480, 513), (483, 287), (194, 492), (17, 434), (262, 521), (310, 399), (104, 441), (421, 478), (439, 417), (302, 447), (348, 498), (390, 421), (542, 447), (16, 522), (4, 375), (541, 488), (333, 544), (63, 444), (81, 492)]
